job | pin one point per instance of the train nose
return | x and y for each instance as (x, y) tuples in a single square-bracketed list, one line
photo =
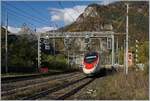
[(89, 66)]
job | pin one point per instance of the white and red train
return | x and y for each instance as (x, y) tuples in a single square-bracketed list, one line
[(91, 63)]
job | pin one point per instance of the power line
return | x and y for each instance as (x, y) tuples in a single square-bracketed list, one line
[(22, 17), (59, 2), (38, 12), (11, 13), (29, 15), (77, 10)]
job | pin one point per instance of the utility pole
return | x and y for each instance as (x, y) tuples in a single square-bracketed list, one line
[(112, 50), (68, 59), (35, 30), (124, 52), (126, 64), (6, 51), (39, 51), (117, 54), (54, 44), (100, 46)]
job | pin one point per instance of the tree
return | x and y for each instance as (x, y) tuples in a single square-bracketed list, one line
[(22, 53)]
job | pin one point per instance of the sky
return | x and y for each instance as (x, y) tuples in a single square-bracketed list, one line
[(43, 15)]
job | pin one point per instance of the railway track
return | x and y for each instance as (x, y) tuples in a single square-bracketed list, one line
[(15, 85), (59, 87), (73, 91), (39, 86), (62, 91), (56, 88), (14, 90), (26, 77)]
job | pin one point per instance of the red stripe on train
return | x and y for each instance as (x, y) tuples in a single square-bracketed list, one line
[(90, 65)]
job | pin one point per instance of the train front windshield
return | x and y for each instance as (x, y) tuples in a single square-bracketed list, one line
[(90, 57)]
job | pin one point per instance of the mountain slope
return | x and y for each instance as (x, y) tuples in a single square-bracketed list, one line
[(100, 17)]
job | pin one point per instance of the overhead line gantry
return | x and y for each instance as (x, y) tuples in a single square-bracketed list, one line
[(91, 35)]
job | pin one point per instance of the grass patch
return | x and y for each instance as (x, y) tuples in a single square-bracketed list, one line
[(118, 86)]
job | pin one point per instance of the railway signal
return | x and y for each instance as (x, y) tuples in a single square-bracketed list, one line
[(47, 47), (46, 44), (109, 43), (87, 42), (67, 44), (87, 39)]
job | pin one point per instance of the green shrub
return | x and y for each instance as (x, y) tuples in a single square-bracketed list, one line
[(57, 62)]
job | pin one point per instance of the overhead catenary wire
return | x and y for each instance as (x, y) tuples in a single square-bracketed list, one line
[(41, 13), (36, 11), (59, 2), (27, 14), (77, 10), (35, 17), (11, 14), (27, 20), (52, 24)]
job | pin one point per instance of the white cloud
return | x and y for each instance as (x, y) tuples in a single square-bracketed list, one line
[(45, 29), (106, 2), (13, 29), (56, 18), (68, 15)]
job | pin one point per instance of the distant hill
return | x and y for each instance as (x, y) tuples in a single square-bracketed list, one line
[(100, 17)]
